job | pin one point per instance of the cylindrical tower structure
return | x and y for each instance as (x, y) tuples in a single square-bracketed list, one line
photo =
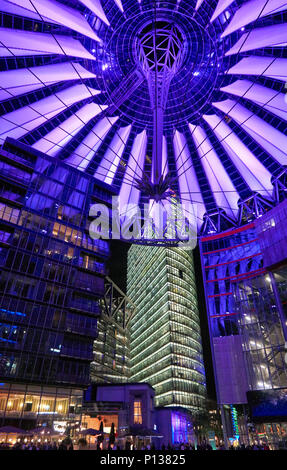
[(166, 346)]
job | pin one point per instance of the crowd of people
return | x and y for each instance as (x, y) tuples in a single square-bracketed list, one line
[(250, 447), (67, 444)]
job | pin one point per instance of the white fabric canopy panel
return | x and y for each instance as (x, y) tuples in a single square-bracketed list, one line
[(96, 7), (223, 189), (15, 42), (84, 153), (198, 4), (55, 140), (266, 98), (108, 167), (188, 184), (17, 123), (255, 174), (119, 4), (19, 81), (270, 139), (134, 170), (55, 12), (252, 11), (270, 36), (275, 68), (10, 7), (164, 167), (222, 5)]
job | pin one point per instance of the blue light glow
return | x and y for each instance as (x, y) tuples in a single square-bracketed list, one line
[(12, 313)]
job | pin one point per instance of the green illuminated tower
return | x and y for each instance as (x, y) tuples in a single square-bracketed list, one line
[(166, 346)]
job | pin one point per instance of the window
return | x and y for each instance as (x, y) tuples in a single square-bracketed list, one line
[(138, 412)]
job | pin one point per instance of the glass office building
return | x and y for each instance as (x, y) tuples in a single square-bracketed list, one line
[(245, 286), (166, 346), (51, 283)]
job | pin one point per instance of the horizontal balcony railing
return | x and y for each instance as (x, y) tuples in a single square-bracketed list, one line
[(92, 266), (15, 175), (92, 332), (14, 157), (32, 414), (47, 378), (17, 198), (76, 352), (91, 307)]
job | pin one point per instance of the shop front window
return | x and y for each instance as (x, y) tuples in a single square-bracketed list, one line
[(138, 412)]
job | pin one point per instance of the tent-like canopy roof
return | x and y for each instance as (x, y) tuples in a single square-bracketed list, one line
[(73, 85)]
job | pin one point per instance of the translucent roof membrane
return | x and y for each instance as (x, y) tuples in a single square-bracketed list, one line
[(271, 36), (253, 10), (96, 7), (107, 168), (210, 131), (55, 140), (19, 81), (187, 180), (85, 152), (15, 42), (129, 194), (271, 67), (265, 97), (119, 4), (55, 12), (18, 123), (224, 191), (10, 7), (252, 170), (273, 141), (222, 5), (198, 4)]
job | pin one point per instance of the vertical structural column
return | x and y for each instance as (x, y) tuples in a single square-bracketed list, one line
[(160, 51), (158, 113), (279, 305)]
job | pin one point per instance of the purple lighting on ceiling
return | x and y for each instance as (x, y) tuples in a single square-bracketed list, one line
[(15, 42), (224, 191), (84, 153), (254, 173), (270, 36), (155, 87), (55, 140), (106, 170), (19, 122), (261, 66), (273, 141), (251, 11)]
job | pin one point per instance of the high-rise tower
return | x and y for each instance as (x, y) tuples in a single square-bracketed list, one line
[(166, 346)]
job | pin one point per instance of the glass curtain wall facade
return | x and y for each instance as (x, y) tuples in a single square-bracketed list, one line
[(227, 258), (166, 346), (262, 333), (245, 288), (52, 273)]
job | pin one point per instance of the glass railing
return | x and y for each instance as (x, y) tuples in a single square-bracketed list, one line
[(91, 307), (17, 197), (78, 329), (92, 266), (17, 158), (15, 175), (77, 352)]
